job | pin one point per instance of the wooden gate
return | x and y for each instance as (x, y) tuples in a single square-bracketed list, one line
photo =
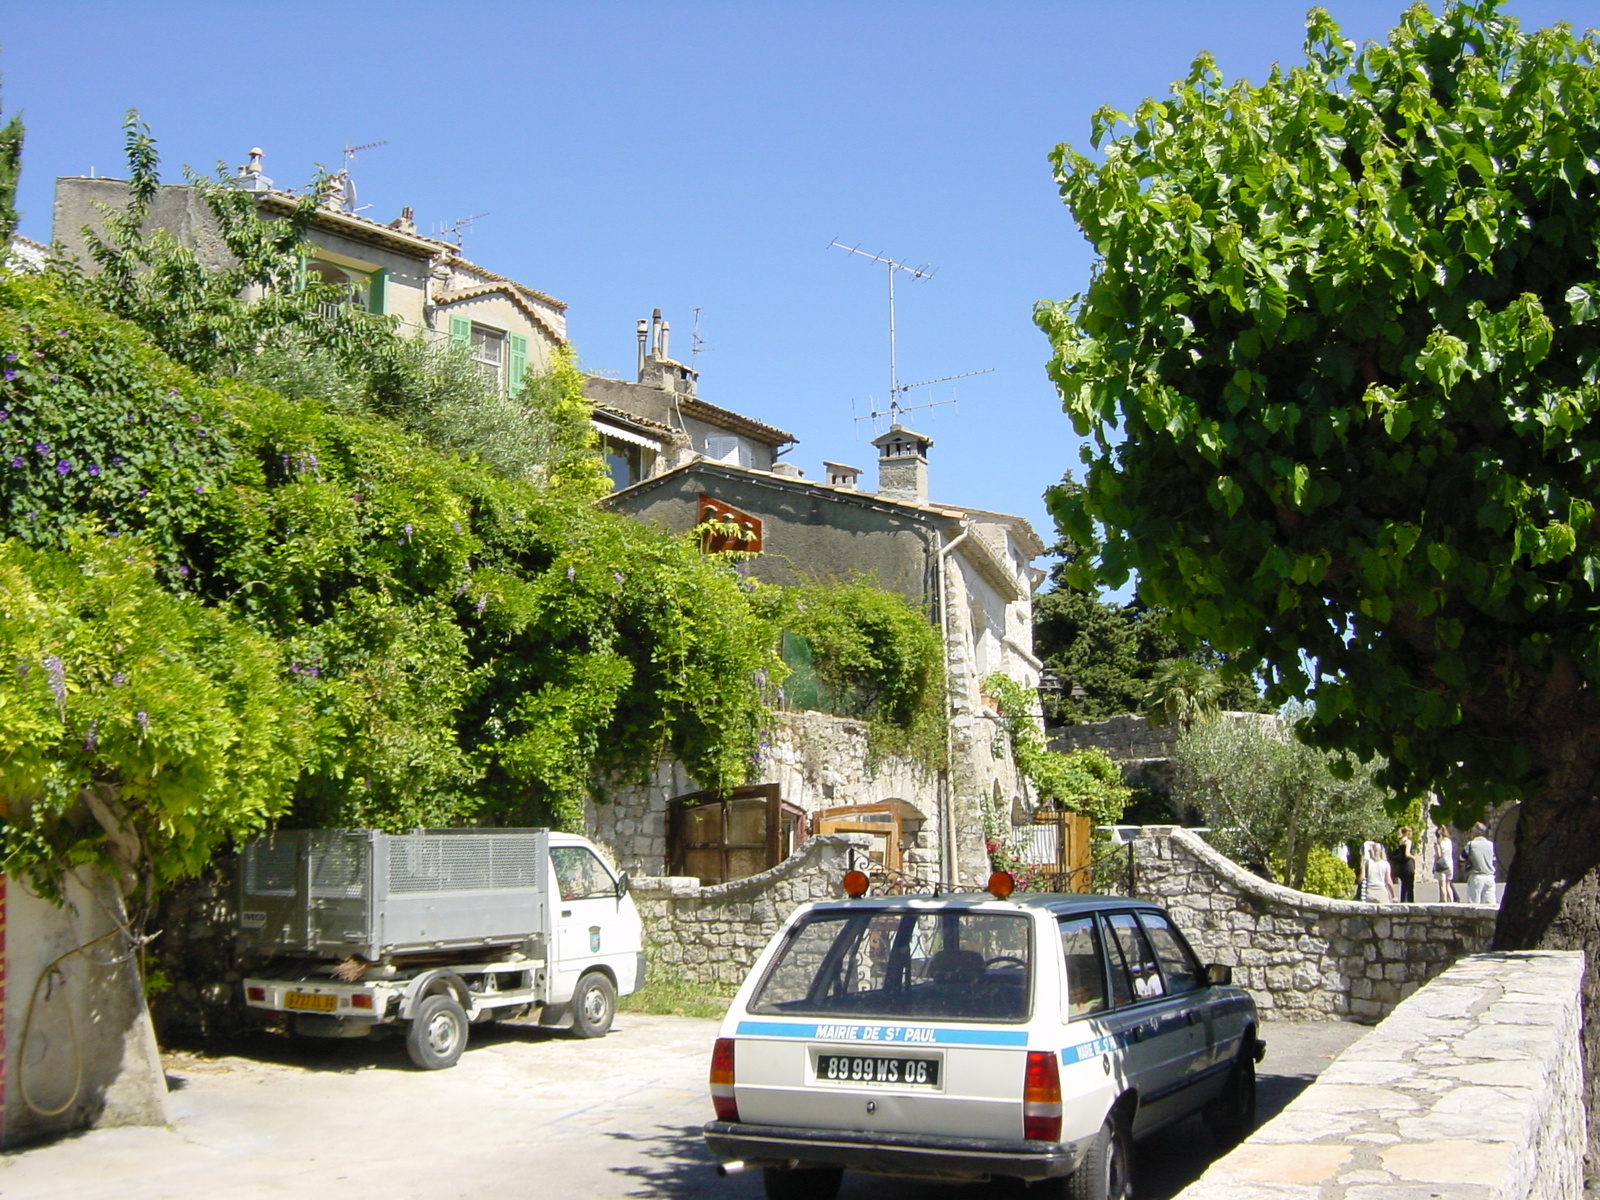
[(1073, 869)]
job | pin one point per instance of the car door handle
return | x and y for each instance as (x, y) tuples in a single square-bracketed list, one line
[(566, 912)]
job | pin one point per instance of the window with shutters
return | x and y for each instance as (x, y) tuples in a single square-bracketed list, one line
[(489, 353), (501, 357)]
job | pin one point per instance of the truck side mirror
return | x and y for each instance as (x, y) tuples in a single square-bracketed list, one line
[(622, 885), (1216, 975)]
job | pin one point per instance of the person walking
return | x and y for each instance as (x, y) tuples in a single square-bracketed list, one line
[(1404, 863), (1444, 864), (1377, 884), (1480, 867)]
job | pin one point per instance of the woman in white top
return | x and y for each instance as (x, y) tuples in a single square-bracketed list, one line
[(1444, 864), (1377, 883)]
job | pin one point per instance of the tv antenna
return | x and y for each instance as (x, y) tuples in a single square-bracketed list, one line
[(697, 344), (350, 153), (457, 229), (898, 390)]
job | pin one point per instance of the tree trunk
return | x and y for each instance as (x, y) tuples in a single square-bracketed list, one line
[(1552, 902)]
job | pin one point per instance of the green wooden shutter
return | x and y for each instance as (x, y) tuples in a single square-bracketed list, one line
[(461, 334), (378, 291), (518, 362)]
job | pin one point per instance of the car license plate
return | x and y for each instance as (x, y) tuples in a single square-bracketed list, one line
[(310, 1002), (860, 1068)]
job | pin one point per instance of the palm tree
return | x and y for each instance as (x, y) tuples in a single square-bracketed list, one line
[(1183, 691)]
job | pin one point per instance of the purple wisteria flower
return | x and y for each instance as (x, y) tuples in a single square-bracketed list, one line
[(407, 530), (91, 738), (42, 447), (55, 379), (61, 333), (617, 577), (456, 525), (16, 461), (23, 668), (4, 415), (58, 682), (144, 491), (199, 489), (572, 573), (144, 719), (9, 375), (183, 570), (119, 680), (93, 469), (116, 460), (483, 603), (63, 467), (11, 356)]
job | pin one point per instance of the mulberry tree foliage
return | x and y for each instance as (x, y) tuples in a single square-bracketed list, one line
[(1339, 360)]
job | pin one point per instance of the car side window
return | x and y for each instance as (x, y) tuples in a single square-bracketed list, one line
[(1178, 963), (580, 875), (1144, 977), (1086, 978)]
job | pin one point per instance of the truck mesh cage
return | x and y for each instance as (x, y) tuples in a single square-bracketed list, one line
[(450, 863)]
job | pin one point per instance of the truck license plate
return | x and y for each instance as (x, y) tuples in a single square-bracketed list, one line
[(857, 1068), (310, 1002)]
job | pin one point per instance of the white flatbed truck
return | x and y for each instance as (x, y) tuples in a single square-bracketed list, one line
[(352, 930)]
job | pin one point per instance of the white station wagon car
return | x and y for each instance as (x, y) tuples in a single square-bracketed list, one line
[(975, 1037)]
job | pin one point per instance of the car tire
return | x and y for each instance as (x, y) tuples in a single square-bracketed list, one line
[(802, 1183), (1106, 1172), (594, 1006), (437, 1034), (1232, 1115)]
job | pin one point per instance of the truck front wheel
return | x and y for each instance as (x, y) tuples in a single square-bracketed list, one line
[(594, 1005), (437, 1034)]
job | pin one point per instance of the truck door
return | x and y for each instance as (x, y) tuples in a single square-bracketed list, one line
[(586, 907)]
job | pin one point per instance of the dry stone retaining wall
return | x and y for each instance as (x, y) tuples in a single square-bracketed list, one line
[(1300, 955), (712, 935), (1472, 1089)]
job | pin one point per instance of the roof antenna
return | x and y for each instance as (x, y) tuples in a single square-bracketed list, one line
[(456, 230), (897, 390), (697, 344), (350, 153)]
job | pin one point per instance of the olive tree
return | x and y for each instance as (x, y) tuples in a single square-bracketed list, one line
[(1339, 361)]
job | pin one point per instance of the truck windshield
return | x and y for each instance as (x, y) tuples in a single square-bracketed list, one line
[(902, 964)]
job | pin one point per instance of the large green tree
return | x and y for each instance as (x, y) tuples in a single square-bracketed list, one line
[(1340, 362)]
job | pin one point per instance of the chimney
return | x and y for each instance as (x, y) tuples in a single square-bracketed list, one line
[(841, 476), (643, 331), (656, 368), (902, 464), (250, 178), (406, 222)]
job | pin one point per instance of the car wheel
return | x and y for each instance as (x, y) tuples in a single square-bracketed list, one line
[(1107, 1170), (1232, 1115), (594, 1005), (437, 1034), (802, 1183)]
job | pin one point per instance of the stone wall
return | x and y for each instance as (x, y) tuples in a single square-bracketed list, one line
[(818, 761), (1472, 1088), (1300, 955), (712, 935)]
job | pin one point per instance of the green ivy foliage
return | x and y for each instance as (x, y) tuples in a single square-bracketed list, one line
[(466, 647), (1081, 781), (1340, 362), (880, 657)]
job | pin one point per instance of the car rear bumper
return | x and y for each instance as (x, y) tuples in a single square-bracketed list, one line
[(916, 1155)]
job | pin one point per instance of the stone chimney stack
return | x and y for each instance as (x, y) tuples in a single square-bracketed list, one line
[(841, 476), (656, 367), (902, 464)]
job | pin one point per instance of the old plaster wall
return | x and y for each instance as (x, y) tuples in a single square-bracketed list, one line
[(79, 1050), (712, 935), (1472, 1088), (1299, 955)]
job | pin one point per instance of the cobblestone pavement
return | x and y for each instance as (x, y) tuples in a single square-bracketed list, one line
[(525, 1113)]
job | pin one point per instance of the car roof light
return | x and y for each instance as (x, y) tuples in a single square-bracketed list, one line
[(1002, 884), (855, 884)]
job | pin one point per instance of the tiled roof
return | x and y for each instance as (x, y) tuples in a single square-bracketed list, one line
[(457, 261), (512, 293), (663, 432), (770, 434)]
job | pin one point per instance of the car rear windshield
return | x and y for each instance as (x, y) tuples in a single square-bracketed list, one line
[(901, 964)]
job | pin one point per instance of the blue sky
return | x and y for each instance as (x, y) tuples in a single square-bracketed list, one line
[(681, 155)]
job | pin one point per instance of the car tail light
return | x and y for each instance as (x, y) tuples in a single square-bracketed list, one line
[(361, 1000), (722, 1082), (256, 994), (1041, 1098)]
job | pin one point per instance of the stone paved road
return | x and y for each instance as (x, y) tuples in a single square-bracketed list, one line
[(526, 1114)]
